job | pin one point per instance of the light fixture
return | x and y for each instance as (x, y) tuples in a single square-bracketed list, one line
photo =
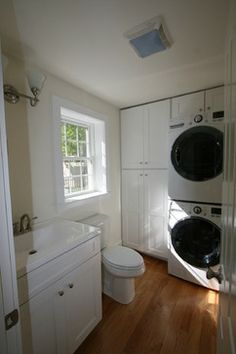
[(35, 80), (149, 37)]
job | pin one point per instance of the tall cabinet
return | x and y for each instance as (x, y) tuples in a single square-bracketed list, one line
[(144, 149)]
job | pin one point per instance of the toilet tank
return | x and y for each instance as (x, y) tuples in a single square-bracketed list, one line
[(103, 222)]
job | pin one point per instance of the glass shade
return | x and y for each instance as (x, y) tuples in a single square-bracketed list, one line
[(35, 79)]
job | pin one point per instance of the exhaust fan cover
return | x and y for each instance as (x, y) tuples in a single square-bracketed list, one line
[(149, 37)]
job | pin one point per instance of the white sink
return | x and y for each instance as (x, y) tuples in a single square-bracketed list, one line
[(47, 241)]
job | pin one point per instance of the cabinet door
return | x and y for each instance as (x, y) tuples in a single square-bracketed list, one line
[(83, 301), (42, 322), (132, 122), (155, 211), (215, 104), (156, 135), (132, 208), (184, 108)]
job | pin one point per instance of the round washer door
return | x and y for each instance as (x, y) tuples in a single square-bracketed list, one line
[(197, 241), (197, 154)]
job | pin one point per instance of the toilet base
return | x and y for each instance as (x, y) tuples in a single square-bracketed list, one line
[(121, 290)]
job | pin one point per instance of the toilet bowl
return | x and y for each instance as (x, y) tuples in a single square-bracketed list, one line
[(120, 265)]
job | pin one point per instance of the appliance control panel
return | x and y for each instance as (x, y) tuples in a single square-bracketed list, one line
[(200, 209)]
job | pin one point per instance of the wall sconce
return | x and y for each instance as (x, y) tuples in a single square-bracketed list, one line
[(35, 80)]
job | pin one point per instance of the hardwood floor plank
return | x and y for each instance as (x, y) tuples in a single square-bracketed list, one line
[(167, 316)]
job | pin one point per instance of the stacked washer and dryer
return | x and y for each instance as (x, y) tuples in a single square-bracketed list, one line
[(195, 187)]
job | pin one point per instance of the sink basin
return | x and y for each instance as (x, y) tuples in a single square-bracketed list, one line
[(49, 240)]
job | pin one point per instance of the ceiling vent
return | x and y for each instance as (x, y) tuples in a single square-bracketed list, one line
[(149, 37)]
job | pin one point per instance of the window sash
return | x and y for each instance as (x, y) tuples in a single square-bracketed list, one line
[(81, 182)]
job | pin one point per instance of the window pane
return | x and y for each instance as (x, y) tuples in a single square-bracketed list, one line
[(71, 131), (63, 146), (75, 184), (85, 182), (75, 169), (67, 185), (71, 148), (82, 133), (82, 150), (84, 167)]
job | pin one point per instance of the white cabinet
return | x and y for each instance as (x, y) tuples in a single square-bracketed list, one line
[(144, 141), (209, 103), (82, 301), (155, 211), (144, 210), (144, 148), (132, 208), (132, 126), (156, 135), (59, 318)]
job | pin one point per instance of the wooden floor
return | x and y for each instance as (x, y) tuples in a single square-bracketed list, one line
[(168, 316)]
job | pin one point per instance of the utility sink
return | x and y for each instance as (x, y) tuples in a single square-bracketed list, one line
[(48, 241)]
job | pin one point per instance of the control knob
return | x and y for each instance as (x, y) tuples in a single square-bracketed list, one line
[(198, 118), (197, 210)]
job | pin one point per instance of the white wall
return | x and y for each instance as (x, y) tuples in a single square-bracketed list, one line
[(31, 158)]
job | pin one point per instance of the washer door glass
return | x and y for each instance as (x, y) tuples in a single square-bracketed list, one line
[(197, 154), (197, 241)]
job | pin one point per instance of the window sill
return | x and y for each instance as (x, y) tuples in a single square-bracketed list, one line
[(84, 197)]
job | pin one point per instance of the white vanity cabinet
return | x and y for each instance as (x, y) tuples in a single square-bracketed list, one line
[(144, 132), (59, 317)]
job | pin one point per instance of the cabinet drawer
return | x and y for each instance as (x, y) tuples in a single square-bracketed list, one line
[(32, 283)]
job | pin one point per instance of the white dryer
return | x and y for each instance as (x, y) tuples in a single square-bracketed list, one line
[(196, 159), (194, 242)]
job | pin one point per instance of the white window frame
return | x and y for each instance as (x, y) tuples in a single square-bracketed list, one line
[(90, 128), (97, 122)]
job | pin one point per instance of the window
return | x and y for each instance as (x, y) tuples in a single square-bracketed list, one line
[(80, 153), (77, 159)]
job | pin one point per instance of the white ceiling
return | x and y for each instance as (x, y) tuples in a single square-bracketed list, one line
[(82, 42)]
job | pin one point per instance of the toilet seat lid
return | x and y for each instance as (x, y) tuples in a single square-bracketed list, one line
[(122, 257)]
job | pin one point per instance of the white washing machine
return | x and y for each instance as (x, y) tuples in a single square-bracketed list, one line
[(196, 159), (194, 242)]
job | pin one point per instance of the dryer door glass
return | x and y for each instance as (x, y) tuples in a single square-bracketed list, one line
[(197, 241), (197, 154)]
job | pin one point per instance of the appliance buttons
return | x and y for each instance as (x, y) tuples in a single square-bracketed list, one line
[(198, 118), (197, 210)]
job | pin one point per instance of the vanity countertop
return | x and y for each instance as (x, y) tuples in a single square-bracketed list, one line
[(48, 241)]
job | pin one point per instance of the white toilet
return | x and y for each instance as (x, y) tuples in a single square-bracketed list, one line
[(120, 265)]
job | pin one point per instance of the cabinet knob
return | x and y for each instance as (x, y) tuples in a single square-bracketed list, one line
[(71, 285), (208, 108), (200, 109), (146, 174), (61, 293), (141, 175), (146, 162), (140, 162)]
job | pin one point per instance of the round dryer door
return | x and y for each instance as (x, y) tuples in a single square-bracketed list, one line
[(197, 241), (197, 154)]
